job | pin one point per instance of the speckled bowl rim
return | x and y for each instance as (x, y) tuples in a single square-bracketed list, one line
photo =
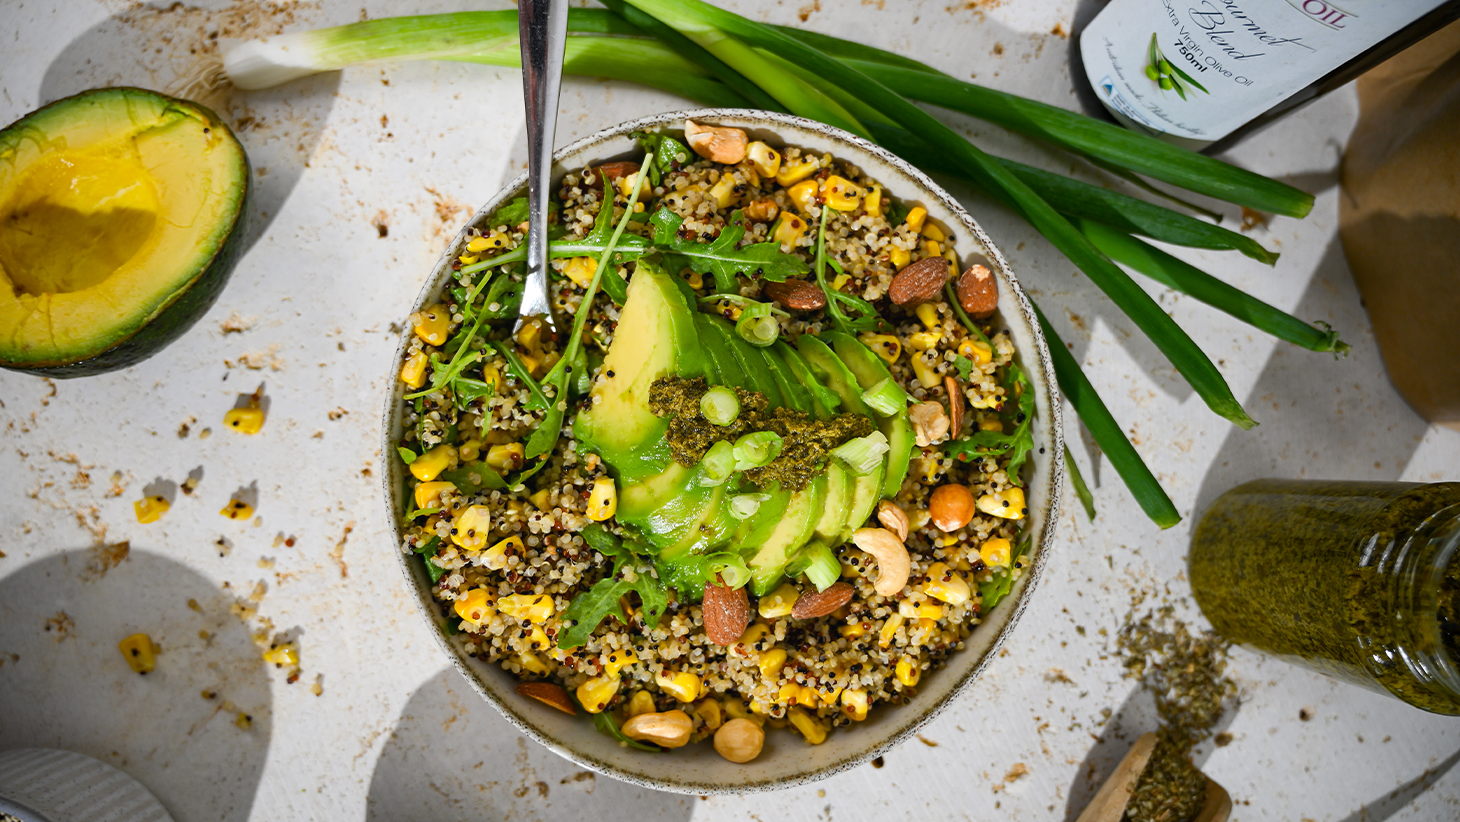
[(889, 726)]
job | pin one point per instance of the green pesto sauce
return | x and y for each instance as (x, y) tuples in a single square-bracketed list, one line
[(1341, 577), (807, 441)]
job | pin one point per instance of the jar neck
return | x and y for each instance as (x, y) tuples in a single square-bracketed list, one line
[(1427, 573)]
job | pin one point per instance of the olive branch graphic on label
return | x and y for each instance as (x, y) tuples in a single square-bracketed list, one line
[(1167, 75)]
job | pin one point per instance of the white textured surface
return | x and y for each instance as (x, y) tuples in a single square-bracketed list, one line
[(65, 786), (396, 735)]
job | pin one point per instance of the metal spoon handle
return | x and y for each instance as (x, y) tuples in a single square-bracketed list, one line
[(543, 30)]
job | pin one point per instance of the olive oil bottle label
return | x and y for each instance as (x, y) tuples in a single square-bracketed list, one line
[(1194, 71)]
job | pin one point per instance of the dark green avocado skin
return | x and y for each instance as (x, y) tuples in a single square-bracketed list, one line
[(174, 319)]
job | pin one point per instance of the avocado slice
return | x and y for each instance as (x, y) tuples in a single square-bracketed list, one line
[(754, 530), (870, 370), (839, 480), (824, 402), (666, 507), (717, 349), (795, 528), (757, 373), (791, 389), (122, 213), (866, 489), (619, 426)]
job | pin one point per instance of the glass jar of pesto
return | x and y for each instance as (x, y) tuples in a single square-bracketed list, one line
[(1357, 580)]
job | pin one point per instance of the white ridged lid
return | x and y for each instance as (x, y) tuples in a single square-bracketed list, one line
[(42, 785)]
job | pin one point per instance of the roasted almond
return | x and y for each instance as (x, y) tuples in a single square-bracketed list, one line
[(812, 604), (611, 171), (919, 282), (799, 295), (548, 694), (727, 613), (978, 292), (955, 405)]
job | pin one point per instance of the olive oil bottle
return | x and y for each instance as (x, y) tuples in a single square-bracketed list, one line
[(1201, 73), (1357, 580)]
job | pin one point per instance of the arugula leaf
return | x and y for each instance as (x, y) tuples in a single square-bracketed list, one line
[(407, 456), (511, 213), (428, 551), (604, 542), (992, 592), (422, 512), (471, 479), (896, 212), (669, 153), (867, 318), (1017, 443), (653, 596), (536, 400), (629, 247), (589, 608), (466, 389), (607, 725), (722, 259), (964, 366)]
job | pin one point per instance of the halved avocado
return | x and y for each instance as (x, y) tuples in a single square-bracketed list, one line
[(869, 370), (717, 351), (839, 481), (122, 213), (866, 489), (757, 372), (792, 391), (793, 530)]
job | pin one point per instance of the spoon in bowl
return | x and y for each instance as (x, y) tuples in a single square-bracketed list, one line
[(542, 29)]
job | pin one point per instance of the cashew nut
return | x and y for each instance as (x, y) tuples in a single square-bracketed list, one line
[(930, 423), (670, 729), (739, 740), (893, 563), (893, 518), (723, 145)]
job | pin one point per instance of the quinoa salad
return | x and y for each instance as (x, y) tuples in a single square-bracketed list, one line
[(767, 473)]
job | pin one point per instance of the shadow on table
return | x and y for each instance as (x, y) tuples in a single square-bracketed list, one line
[(65, 684), (1136, 716), (1320, 417), (452, 756), (153, 46), (1388, 805)]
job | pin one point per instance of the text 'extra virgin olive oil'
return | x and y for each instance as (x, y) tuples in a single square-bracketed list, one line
[(1201, 73)]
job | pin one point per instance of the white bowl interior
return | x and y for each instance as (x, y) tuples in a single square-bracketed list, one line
[(787, 759)]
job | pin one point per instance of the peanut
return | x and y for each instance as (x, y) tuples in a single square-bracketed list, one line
[(739, 740)]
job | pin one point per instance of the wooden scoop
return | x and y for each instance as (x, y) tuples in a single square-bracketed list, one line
[(1110, 801)]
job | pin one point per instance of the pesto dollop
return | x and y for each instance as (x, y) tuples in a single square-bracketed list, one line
[(807, 441)]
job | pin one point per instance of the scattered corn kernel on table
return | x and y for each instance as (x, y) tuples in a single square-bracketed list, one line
[(361, 179)]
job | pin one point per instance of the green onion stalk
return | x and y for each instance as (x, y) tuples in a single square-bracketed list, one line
[(715, 57)]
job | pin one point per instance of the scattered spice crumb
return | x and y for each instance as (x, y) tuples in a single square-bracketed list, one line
[(62, 624), (1305, 713), (1222, 739), (105, 557), (205, 433), (317, 687), (926, 741), (337, 413), (236, 324), (382, 224), (878, 762), (1252, 218), (1057, 675), (338, 552)]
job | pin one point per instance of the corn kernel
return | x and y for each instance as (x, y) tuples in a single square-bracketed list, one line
[(627, 181), (642, 702), (789, 232), (884, 636), (595, 694), (995, 552), (920, 610), (412, 372), (150, 509), (243, 720), (537, 640), (977, 350), (529, 336), (842, 194), (495, 557), (709, 711), (839, 281), (928, 315), (916, 216), (771, 662), (908, 672), (755, 633), (237, 509), (478, 244), (282, 655), (428, 494), (923, 340), (471, 527), (533, 365), (804, 194), (469, 450), (928, 631), (736, 709), (535, 608), (431, 324), (778, 603), (617, 660), (683, 686), (789, 175), (468, 259), (540, 500), (1007, 504), (475, 608), (507, 457), (856, 631), (885, 346), (696, 280), (139, 652), (248, 420), (854, 703), (723, 191), (492, 375), (932, 232), (991, 423), (873, 202), (603, 499), (927, 377), (767, 160), (532, 662), (809, 726), (945, 585), (430, 464), (899, 257)]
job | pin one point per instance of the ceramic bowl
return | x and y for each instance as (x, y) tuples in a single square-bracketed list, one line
[(787, 759)]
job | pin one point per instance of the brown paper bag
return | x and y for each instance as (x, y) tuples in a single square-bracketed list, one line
[(1399, 219)]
